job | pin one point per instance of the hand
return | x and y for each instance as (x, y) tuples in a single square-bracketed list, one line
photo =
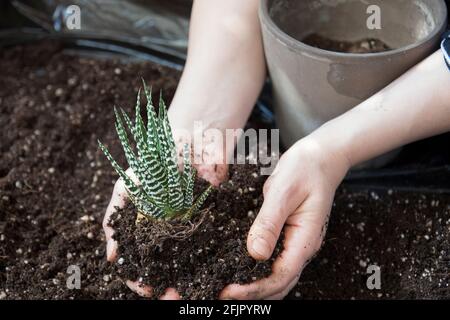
[(298, 195), (212, 173), (119, 199)]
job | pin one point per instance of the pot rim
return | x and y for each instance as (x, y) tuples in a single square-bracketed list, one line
[(302, 47)]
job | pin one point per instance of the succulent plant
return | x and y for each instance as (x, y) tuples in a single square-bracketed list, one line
[(163, 191)]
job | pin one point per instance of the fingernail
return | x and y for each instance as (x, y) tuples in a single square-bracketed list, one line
[(109, 250), (261, 247)]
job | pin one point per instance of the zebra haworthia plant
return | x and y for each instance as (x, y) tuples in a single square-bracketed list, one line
[(163, 191)]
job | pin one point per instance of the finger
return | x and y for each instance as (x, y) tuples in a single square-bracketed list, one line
[(140, 289), (303, 237), (285, 292), (280, 200), (111, 250), (214, 174), (118, 199), (170, 294), (285, 269)]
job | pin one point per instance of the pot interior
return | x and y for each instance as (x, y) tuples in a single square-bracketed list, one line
[(403, 22)]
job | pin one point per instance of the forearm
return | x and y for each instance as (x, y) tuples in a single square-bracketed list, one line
[(415, 106), (225, 67)]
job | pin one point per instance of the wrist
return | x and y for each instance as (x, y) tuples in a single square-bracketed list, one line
[(329, 157)]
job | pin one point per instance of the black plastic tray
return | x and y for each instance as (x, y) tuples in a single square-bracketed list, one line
[(421, 167)]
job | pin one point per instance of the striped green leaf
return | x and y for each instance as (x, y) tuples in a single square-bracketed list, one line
[(188, 177), (163, 191), (176, 198), (132, 188), (198, 203), (152, 172)]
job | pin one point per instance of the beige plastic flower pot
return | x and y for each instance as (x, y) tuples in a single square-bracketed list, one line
[(311, 85)]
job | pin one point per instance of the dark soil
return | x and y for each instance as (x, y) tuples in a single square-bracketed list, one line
[(54, 182), (362, 46), (55, 185), (406, 234), (203, 261)]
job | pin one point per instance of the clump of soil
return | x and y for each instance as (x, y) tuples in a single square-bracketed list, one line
[(207, 254), (369, 45)]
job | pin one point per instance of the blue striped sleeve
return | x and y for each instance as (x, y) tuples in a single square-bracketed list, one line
[(445, 45)]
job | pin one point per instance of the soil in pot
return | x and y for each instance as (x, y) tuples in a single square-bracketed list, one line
[(369, 45), (55, 185)]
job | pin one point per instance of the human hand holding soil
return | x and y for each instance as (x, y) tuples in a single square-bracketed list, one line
[(297, 197), (300, 192), (213, 173)]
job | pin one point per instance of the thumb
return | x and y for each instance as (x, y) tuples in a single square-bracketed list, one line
[(264, 234), (280, 200)]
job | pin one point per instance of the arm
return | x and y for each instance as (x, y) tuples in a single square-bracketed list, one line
[(300, 192), (224, 72), (414, 107)]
